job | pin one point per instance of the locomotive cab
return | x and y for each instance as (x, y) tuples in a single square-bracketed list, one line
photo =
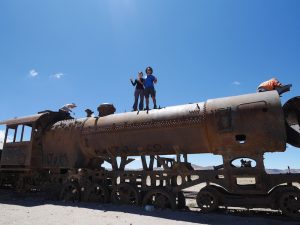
[(17, 145), (22, 147)]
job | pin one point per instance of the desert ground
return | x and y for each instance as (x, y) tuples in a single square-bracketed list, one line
[(46, 213), (34, 210)]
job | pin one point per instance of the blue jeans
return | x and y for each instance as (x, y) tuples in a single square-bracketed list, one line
[(138, 93)]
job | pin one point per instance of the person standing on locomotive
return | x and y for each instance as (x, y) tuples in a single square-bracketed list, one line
[(274, 84), (139, 91), (269, 85), (149, 87), (67, 108)]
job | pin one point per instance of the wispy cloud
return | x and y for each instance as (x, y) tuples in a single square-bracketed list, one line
[(57, 75), (236, 83), (33, 73)]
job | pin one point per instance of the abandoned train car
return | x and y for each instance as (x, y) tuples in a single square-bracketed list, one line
[(63, 156)]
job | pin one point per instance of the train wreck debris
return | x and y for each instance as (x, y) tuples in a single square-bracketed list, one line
[(63, 156)]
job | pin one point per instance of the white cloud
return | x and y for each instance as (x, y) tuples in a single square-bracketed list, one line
[(33, 73), (57, 75), (236, 83)]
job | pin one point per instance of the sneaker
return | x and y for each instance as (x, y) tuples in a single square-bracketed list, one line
[(155, 107)]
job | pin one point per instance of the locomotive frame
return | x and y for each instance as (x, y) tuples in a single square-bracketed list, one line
[(26, 167)]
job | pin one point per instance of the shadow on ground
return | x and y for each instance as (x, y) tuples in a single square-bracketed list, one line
[(191, 216)]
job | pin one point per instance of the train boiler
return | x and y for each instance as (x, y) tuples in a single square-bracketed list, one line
[(63, 155)]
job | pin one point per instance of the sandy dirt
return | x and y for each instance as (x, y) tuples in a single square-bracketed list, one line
[(24, 210), (38, 212), (33, 209)]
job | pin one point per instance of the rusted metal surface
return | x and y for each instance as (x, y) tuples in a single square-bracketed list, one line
[(22, 120), (64, 156), (106, 109), (243, 124), (292, 115), (29, 153)]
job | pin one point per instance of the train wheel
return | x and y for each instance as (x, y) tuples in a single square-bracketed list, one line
[(97, 193), (289, 204), (20, 184), (181, 203), (160, 199), (70, 191), (126, 194), (207, 201)]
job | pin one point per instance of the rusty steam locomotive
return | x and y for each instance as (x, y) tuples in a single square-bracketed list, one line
[(63, 156)]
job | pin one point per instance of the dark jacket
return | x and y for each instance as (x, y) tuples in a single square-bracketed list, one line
[(138, 84)]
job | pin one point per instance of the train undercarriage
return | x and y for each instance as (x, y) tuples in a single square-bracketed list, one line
[(163, 187)]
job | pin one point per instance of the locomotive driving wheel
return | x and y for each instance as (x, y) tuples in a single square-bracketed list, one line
[(126, 194), (70, 191), (207, 200), (97, 193), (19, 183), (160, 199), (181, 203), (289, 204)]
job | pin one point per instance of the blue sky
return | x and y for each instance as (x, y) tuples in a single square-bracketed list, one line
[(54, 52)]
